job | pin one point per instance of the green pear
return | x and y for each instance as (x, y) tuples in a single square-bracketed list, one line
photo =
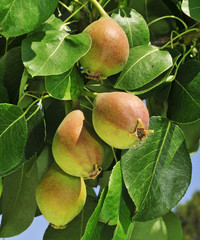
[(60, 197), (76, 147), (109, 51), (120, 119)]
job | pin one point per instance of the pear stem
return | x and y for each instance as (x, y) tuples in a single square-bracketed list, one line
[(89, 94), (100, 8), (114, 155)]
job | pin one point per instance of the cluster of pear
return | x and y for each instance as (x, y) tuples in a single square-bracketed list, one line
[(120, 119)]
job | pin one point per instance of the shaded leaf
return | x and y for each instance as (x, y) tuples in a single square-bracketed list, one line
[(22, 16), (117, 207), (18, 200), (107, 157), (104, 180), (157, 103), (11, 70), (93, 221), (67, 86), (13, 136), (173, 225), (150, 230), (184, 94), (157, 172), (192, 135), (54, 113), (44, 161), (151, 10), (123, 228), (145, 63), (133, 25), (36, 132), (4, 98)]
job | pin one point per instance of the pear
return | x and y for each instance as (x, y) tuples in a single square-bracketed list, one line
[(120, 119), (109, 51), (76, 148), (60, 197)]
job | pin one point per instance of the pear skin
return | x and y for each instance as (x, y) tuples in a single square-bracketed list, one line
[(109, 51), (120, 119), (76, 148), (60, 197)]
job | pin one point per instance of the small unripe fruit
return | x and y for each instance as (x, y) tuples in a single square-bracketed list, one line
[(76, 147), (120, 119), (109, 51), (60, 197)]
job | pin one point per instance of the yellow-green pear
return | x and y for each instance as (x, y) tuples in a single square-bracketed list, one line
[(60, 197), (109, 51), (120, 119), (76, 147)]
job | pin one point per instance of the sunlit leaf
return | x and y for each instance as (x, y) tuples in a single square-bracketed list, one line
[(22, 16), (145, 63), (133, 25), (157, 172), (53, 52), (191, 8)]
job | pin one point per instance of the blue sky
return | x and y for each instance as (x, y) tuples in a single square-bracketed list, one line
[(37, 228)]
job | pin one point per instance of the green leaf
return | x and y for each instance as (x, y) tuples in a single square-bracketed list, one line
[(157, 103), (53, 23), (151, 10), (117, 207), (104, 180), (184, 101), (145, 63), (36, 132), (75, 228), (67, 86), (123, 228), (107, 157), (110, 210), (11, 70), (54, 113), (157, 98), (53, 52), (22, 16), (133, 25), (13, 136), (192, 135), (191, 8), (151, 89), (18, 203), (44, 161), (157, 172), (93, 221), (23, 83), (174, 228), (4, 98), (150, 230)]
